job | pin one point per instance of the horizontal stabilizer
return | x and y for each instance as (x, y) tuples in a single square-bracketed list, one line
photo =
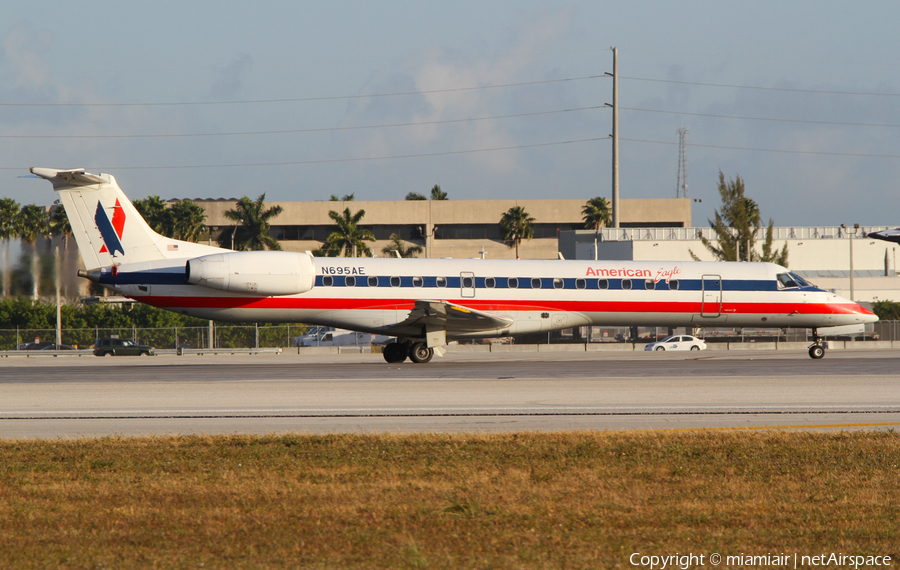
[(63, 178)]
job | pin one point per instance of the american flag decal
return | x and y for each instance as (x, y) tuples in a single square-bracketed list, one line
[(172, 247)]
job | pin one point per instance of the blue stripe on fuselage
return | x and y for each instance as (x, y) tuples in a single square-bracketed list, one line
[(149, 277), (177, 277)]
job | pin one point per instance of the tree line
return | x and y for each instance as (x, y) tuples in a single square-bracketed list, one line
[(27, 314), (29, 224)]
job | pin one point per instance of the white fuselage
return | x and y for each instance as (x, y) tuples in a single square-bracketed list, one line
[(375, 295)]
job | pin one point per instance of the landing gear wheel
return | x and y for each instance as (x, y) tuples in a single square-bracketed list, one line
[(394, 352), (420, 354), (661, 348), (816, 351)]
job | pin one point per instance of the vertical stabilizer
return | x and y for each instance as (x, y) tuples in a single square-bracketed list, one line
[(106, 225)]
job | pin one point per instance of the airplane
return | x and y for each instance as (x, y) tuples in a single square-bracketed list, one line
[(886, 235), (426, 303)]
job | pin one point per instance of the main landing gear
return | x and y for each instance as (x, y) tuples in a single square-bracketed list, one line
[(817, 349), (396, 352)]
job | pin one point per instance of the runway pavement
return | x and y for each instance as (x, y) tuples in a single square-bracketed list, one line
[(476, 392)]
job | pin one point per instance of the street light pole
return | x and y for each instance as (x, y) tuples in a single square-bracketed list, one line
[(855, 228)]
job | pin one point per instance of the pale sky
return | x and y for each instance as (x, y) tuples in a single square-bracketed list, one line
[(489, 99)]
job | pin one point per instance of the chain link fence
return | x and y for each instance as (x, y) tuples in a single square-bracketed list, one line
[(253, 336), (244, 336)]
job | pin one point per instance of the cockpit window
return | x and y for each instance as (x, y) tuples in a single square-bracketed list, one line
[(800, 281), (785, 280)]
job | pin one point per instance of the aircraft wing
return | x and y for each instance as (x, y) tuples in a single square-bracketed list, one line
[(437, 318), (887, 235)]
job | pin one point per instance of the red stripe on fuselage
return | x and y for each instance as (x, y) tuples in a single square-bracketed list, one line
[(690, 307)]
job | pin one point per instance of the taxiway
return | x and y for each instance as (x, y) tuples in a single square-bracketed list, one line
[(263, 394)]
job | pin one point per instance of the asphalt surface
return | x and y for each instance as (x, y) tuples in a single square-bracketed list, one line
[(484, 392)]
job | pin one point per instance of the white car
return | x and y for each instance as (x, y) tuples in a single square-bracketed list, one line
[(678, 342)]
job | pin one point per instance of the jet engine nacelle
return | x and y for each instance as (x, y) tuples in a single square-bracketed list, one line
[(254, 272)]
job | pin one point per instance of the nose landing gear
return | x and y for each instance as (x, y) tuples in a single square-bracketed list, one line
[(817, 349)]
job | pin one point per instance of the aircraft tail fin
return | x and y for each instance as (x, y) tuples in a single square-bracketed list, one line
[(106, 225)]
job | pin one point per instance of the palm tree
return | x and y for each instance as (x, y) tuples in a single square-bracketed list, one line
[(437, 193), (345, 198), (252, 231), (347, 235), (9, 228), (596, 213), (35, 224), (156, 214), (516, 225), (187, 220), (397, 245), (415, 196), (59, 224)]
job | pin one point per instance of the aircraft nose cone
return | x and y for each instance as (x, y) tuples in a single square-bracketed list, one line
[(865, 314)]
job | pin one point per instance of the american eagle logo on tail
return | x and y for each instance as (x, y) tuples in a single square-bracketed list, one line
[(111, 231)]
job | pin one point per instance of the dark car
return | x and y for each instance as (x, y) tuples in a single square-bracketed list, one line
[(58, 347), (35, 345), (121, 347)]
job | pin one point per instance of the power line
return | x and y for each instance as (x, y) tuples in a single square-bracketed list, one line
[(291, 131), (838, 123), (770, 149), (333, 160), (303, 99), (764, 88)]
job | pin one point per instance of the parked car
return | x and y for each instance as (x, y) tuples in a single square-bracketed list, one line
[(121, 347), (678, 342), (58, 347)]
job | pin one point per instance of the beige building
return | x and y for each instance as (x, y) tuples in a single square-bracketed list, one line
[(449, 228)]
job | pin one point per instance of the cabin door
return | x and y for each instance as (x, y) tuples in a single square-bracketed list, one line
[(467, 284), (711, 304)]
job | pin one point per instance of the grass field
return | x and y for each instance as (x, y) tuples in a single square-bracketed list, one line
[(559, 500)]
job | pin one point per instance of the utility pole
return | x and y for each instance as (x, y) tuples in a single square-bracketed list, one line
[(615, 141), (681, 185)]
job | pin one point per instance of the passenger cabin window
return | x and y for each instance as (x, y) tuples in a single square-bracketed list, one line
[(626, 284), (786, 281), (350, 281), (373, 281), (602, 284), (513, 283), (395, 281), (649, 284), (490, 282), (468, 282), (418, 282), (580, 283), (327, 281), (441, 281), (535, 282), (673, 285), (557, 283)]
